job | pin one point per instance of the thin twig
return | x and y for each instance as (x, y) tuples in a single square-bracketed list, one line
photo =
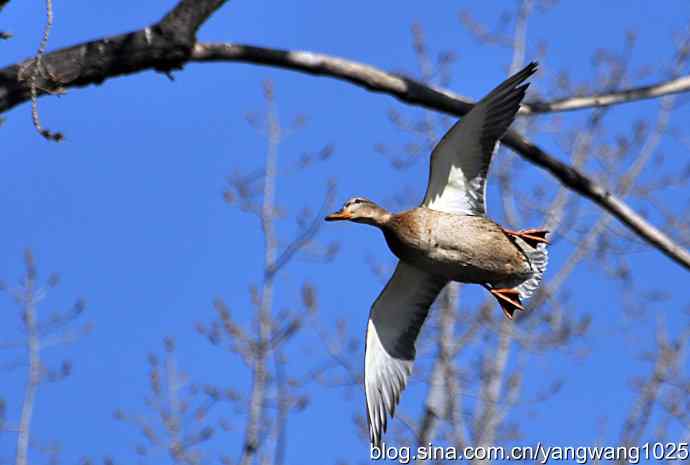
[(38, 69), (639, 415), (304, 238), (671, 86)]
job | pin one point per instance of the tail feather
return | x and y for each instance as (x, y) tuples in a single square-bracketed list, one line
[(539, 258)]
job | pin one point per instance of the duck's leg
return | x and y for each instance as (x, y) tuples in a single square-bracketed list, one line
[(533, 236), (508, 299)]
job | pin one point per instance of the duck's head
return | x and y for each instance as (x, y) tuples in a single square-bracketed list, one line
[(360, 210)]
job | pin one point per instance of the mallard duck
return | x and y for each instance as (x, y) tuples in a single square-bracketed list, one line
[(447, 238)]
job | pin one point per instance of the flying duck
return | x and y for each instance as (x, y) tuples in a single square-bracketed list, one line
[(447, 238)]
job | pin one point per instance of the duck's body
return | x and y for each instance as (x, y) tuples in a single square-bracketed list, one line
[(447, 238), (464, 248)]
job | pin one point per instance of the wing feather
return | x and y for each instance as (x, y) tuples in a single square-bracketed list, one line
[(460, 161), (394, 323)]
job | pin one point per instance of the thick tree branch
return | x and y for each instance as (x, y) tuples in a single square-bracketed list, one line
[(188, 16), (413, 92), (163, 46)]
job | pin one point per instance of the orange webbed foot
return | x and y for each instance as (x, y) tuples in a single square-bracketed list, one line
[(508, 299), (533, 236)]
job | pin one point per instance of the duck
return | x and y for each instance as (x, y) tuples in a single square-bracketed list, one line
[(448, 237)]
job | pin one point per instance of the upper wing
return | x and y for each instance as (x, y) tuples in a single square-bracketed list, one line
[(460, 161), (394, 322)]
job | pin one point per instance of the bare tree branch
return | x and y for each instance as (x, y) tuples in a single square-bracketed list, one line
[(444, 390), (260, 375), (672, 86), (164, 46), (639, 416), (30, 297), (411, 91), (174, 425), (493, 371), (38, 336)]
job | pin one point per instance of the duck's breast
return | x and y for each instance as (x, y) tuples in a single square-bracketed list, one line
[(460, 247)]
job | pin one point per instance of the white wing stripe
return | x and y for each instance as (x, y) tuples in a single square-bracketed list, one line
[(460, 161)]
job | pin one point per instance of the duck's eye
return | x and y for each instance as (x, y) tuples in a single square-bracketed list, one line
[(357, 201)]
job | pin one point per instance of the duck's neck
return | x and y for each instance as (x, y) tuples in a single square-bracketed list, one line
[(384, 220), (380, 219)]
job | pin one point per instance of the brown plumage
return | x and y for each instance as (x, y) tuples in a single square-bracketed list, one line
[(465, 248)]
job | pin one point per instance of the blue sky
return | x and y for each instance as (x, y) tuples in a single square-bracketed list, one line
[(129, 210)]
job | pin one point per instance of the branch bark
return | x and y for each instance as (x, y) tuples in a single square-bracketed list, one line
[(163, 46), (187, 17)]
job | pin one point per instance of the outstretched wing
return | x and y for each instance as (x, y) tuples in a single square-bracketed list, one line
[(460, 161), (394, 323)]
